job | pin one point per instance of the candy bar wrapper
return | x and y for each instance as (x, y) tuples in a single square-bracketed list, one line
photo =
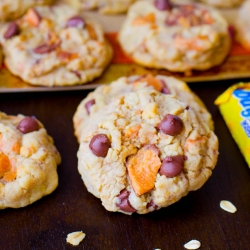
[(234, 105)]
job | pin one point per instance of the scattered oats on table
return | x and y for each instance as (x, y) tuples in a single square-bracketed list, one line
[(75, 238)]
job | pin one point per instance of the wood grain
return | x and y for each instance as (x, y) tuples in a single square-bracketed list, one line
[(46, 223)]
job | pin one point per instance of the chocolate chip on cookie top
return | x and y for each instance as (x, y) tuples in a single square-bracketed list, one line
[(12, 30), (89, 104), (76, 21), (124, 203), (172, 165), (165, 89), (27, 125), (100, 145), (163, 4), (171, 125)]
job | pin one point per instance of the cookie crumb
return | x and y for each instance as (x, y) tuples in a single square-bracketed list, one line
[(75, 238), (228, 206), (193, 244)]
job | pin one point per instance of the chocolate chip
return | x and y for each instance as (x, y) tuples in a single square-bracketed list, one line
[(152, 205), (172, 165), (27, 125), (77, 73), (125, 205), (163, 4), (89, 104), (165, 89), (46, 48), (100, 145), (171, 125), (12, 30), (76, 21)]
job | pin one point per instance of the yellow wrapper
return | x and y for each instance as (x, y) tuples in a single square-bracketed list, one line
[(234, 105)]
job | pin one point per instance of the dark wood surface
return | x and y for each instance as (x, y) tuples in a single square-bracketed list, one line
[(46, 223)]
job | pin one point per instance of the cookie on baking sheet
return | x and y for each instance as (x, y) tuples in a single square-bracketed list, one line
[(242, 25), (145, 150), (179, 37), (104, 6), (28, 161), (12, 9), (54, 46), (104, 94), (223, 3)]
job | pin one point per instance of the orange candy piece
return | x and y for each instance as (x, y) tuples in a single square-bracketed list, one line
[(33, 17), (151, 81), (149, 18), (143, 168), (5, 164), (132, 132)]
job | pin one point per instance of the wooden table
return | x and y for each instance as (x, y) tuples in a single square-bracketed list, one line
[(46, 223)]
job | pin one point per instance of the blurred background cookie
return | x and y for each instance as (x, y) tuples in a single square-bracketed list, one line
[(28, 161), (176, 37), (104, 6), (12, 9), (54, 46)]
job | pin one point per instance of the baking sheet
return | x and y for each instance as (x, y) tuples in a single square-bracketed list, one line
[(237, 64)]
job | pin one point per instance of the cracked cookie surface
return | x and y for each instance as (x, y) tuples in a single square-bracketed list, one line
[(104, 94), (55, 46)]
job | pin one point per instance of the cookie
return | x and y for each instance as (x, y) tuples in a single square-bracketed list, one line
[(104, 6), (242, 25), (55, 46), (178, 38), (12, 9), (103, 94), (144, 151), (223, 3), (28, 161)]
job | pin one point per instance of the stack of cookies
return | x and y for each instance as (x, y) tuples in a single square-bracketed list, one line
[(145, 142)]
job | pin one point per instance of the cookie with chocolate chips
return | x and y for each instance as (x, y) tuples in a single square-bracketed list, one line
[(102, 95), (177, 37), (55, 46), (28, 161), (144, 151)]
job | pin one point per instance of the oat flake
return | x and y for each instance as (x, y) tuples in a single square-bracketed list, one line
[(228, 206), (75, 238), (192, 244)]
